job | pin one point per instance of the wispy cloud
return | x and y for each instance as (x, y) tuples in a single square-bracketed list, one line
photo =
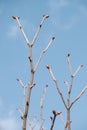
[(66, 13), (13, 31), (9, 124)]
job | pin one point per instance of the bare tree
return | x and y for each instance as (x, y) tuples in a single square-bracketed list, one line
[(27, 96)]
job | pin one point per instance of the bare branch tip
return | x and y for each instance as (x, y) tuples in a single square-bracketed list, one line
[(82, 65), (14, 17), (56, 113), (17, 79), (68, 55), (53, 38), (48, 67), (46, 85), (46, 16)]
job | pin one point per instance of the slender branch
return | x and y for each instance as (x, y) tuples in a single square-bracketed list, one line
[(69, 65), (65, 123), (78, 69), (71, 74), (38, 29), (41, 106), (22, 30), (70, 85), (57, 85), (43, 52), (21, 83), (24, 87), (19, 110), (81, 93), (55, 113), (61, 117), (32, 126), (35, 122)]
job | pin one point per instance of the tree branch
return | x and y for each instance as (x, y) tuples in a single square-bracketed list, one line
[(65, 123), (71, 73), (81, 93), (69, 65), (24, 92), (38, 29), (32, 126), (55, 113), (41, 106), (22, 30), (43, 52), (78, 69), (57, 85)]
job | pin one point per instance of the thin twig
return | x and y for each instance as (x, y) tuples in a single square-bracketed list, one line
[(38, 29), (24, 87), (78, 69), (41, 106), (69, 65), (61, 117), (20, 111), (65, 123), (32, 126), (57, 85), (22, 30), (81, 93), (43, 52), (20, 81)]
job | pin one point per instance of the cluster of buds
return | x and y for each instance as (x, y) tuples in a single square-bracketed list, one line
[(55, 114)]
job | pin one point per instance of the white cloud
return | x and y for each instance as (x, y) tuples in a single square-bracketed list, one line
[(13, 31), (8, 121), (8, 124), (66, 14)]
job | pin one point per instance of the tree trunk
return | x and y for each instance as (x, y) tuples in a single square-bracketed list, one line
[(68, 119)]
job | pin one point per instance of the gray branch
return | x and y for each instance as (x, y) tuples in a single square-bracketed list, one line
[(22, 30), (81, 93), (57, 85), (38, 29), (43, 52)]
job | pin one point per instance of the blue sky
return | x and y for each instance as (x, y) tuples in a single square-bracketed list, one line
[(68, 23)]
